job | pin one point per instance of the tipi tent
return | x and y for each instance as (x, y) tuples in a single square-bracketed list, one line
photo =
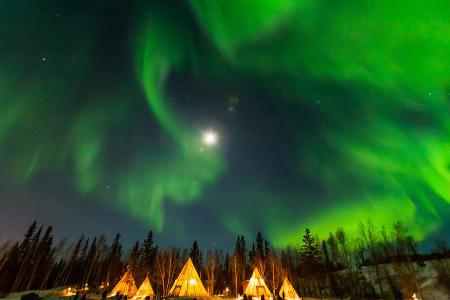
[(257, 287), (287, 291), (144, 290), (188, 283), (125, 286)]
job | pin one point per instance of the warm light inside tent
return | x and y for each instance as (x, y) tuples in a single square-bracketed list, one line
[(69, 292), (188, 283), (257, 287)]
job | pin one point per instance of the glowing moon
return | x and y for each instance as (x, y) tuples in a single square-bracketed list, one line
[(209, 138)]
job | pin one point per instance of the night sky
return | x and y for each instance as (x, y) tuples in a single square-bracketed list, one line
[(207, 119)]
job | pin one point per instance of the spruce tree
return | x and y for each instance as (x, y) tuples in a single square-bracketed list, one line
[(133, 257), (227, 271), (24, 246), (27, 248), (310, 266), (42, 258), (148, 254), (114, 260), (8, 270), (266, 249), (196, 256), (90, 261), (83, 252), (69, 276), (251, 253), (242, 257), (260, 246)]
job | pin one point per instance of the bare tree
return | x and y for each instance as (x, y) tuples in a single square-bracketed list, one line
[(168, 263), (370, 241), (275, 271), (402, 263), (235, 272), (342, 255), (344, 248), (288, 261), (211, 269), (442, 266)]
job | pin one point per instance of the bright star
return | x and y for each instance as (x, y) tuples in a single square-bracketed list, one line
[(209, 138)]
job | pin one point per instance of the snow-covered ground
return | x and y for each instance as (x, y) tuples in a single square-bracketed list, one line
[(47, 294), (51, 294), (427, 275)]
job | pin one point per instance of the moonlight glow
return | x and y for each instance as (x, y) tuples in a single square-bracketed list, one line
[(209, 138)]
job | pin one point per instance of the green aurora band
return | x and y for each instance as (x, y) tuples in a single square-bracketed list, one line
[(378, 70)]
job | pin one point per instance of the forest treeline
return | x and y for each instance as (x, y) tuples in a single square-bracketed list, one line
[(377, 263)]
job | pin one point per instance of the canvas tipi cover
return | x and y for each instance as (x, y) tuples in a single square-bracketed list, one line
[(144, 290), (257, 287), (126, 285), (188, 282), (287, 291)]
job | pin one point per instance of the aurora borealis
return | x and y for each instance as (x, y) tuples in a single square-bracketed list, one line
[(328, 113)]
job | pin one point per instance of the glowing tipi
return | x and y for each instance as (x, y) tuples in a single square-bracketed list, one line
[(287, 291), (144, 290), (188, 283), (257, 287), (125, 286)]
